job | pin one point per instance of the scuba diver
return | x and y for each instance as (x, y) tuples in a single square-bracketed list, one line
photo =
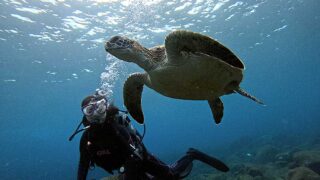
[(112, 143)]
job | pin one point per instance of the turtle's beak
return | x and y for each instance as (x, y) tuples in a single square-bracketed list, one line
[(108, 46)]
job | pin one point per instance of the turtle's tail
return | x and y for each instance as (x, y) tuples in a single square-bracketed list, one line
[(244, 93)]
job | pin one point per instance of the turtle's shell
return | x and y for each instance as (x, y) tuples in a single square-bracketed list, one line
[(196, 67)]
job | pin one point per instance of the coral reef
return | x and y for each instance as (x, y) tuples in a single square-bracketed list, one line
[(266, 158), (302, 173)]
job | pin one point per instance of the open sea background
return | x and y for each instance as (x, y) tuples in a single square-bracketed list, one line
[(52, 56)]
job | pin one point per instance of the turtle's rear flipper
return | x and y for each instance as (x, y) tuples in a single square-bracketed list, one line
[(132, 91), (243, 93), (216, 106), (211, 161)]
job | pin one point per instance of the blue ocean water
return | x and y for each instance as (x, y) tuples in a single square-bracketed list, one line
[(52, 56)]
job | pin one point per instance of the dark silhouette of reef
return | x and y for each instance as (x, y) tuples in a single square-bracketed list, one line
[(278, 157)]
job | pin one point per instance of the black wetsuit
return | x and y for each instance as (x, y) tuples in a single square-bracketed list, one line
[(108, 146)]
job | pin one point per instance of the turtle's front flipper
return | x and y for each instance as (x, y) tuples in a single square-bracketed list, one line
[(216, 106), (132, 91), (243, 93)]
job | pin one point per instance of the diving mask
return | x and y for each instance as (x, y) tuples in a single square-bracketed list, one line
[(95, 111)]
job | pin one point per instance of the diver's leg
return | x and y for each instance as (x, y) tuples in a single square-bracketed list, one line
[(211, 161), (157, 168), (183, 166)]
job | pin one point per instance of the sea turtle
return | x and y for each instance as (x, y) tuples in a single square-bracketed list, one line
[(189, 66)]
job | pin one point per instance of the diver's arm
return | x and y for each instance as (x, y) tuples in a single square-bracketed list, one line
[(84, 162)]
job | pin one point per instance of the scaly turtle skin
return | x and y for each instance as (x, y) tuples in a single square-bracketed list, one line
[(189, 66)]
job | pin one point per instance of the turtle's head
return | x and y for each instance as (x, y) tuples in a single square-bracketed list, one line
[(124, 48)]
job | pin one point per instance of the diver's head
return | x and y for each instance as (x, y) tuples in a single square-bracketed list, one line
[(94, 107)]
